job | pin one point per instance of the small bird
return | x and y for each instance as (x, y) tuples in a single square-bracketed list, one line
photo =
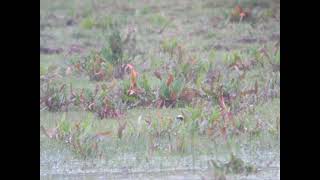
[(179, 118), (178, 121)]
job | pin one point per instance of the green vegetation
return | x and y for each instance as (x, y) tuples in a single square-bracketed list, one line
[(126, 71)]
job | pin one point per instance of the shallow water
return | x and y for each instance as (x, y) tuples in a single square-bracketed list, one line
[(267, 173), (61, 165)]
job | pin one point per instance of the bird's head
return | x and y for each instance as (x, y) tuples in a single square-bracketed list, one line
[(179, 118)]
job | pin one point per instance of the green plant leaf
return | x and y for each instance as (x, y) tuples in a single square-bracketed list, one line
[(87, 23), (144, 83), (86, 125), (215, 114), (164, 91), (64, 125), (177, 85)]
